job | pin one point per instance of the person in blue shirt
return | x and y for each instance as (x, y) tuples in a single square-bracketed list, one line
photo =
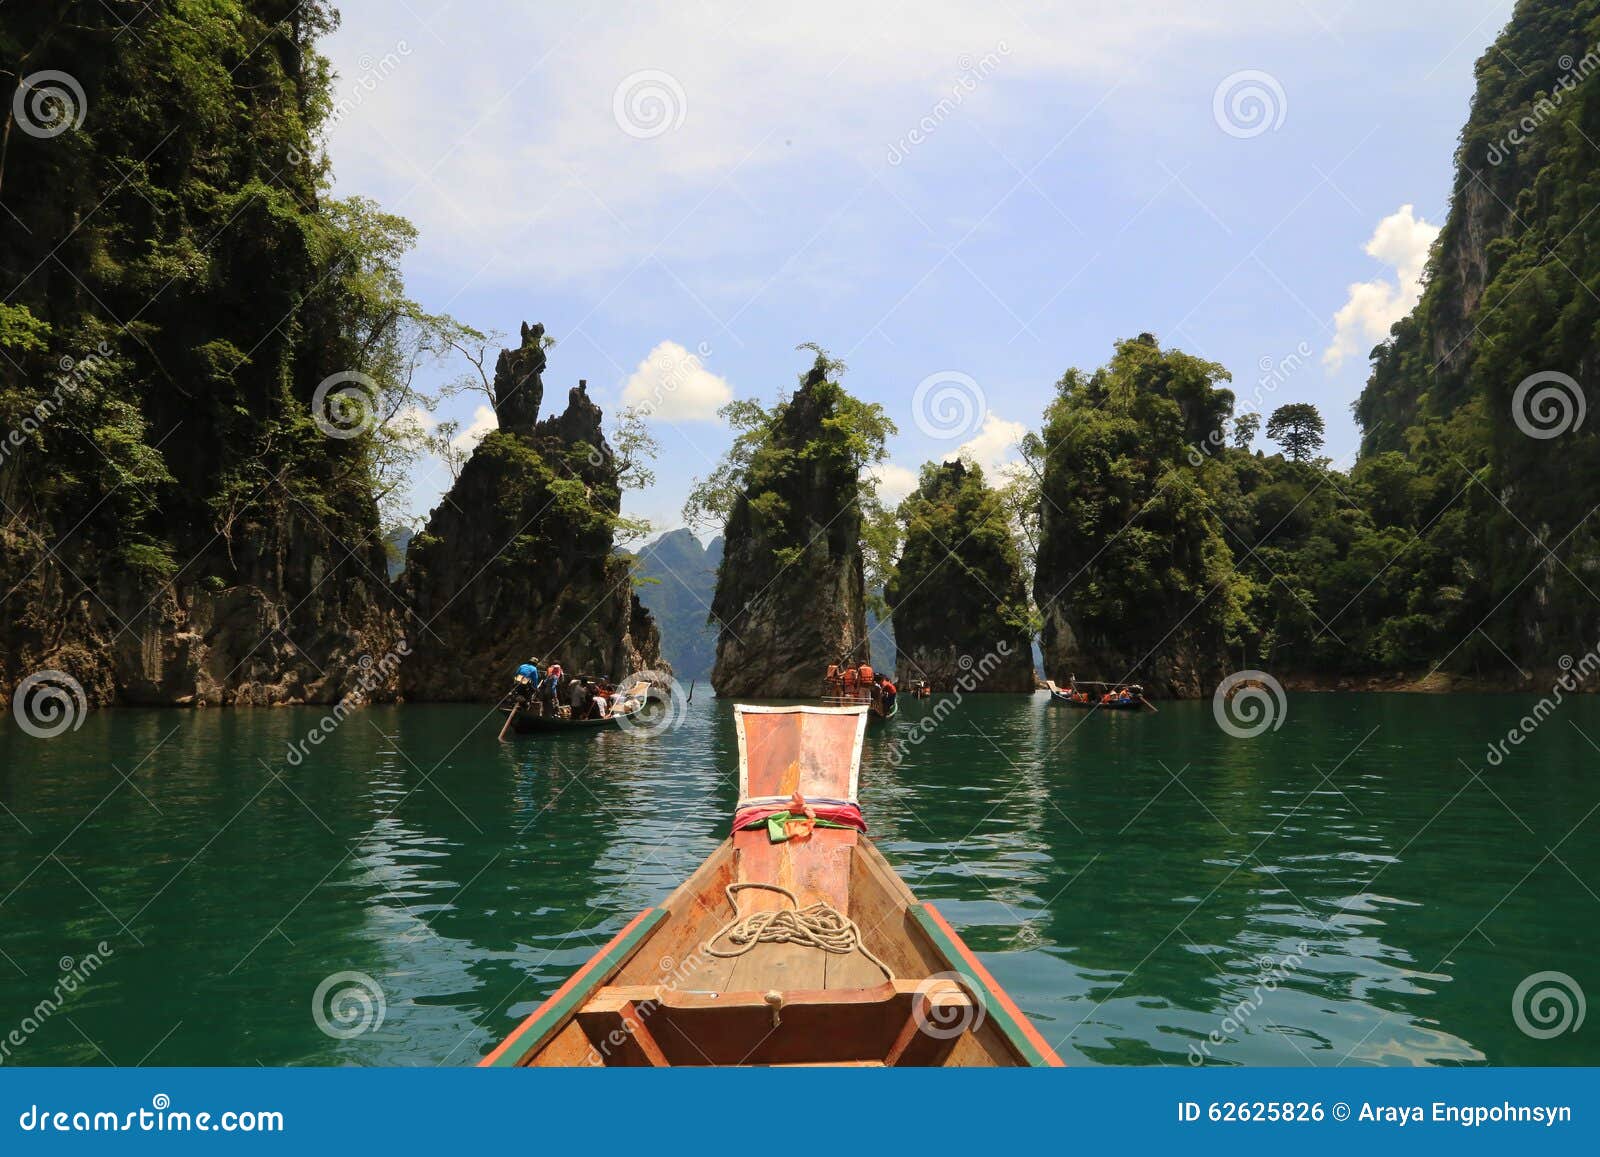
[(526, 682)]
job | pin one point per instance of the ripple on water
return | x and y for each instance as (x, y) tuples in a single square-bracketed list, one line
[(1147, 888)]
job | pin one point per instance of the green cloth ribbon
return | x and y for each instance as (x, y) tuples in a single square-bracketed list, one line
[(775, 825)]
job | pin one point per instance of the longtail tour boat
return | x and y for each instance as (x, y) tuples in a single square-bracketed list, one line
[(1085, 700), (526, 721), (795, 943)]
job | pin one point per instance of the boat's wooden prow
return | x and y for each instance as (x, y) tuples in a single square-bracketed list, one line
[(813, 750), (862, 974)]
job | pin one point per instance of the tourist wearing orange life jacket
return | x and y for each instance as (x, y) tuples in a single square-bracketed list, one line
[(847, 680), (886, 693)]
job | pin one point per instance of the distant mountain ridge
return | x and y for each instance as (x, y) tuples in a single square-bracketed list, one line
[(680, 599), (685, 574)]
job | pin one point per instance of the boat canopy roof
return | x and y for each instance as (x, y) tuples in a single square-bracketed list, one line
[(813, 750)]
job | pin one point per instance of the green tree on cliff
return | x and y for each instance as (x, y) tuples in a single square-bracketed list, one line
[(957, 587), (1134, 561), (853, 437), (1298, 428), (795, 498), (180, 282)]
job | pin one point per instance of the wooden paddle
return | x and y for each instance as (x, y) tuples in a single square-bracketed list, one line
[(1149, 704), (515, 707)]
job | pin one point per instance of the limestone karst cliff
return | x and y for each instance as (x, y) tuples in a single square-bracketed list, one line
[(174, 528), (1134, 569), (957, 592), (518, 558), (791, 591), (1494, 375)]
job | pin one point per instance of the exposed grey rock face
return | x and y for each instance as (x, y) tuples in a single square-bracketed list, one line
[(518, 559), (791, 592), (305, 623), (518, 381)]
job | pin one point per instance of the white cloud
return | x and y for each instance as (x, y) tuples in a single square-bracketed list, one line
[(1402, 242), (483, 420), (994, 447), (672, 384), (895, 482)]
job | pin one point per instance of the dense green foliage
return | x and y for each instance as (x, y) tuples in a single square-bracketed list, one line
[(1511, 295), (179, 252), (959, 574), (1297, 427), (1164, 541), (1131, 541), (1459, 540), (767, 467)]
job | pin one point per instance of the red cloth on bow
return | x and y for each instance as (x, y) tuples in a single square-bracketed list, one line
[(835, 810)]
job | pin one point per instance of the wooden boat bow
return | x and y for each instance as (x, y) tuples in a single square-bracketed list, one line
[(903, 989)]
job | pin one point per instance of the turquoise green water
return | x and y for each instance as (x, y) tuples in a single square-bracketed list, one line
[(1130, 879)]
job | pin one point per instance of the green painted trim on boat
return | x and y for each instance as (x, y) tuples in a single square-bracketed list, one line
[(595, 972), (994, 1001)]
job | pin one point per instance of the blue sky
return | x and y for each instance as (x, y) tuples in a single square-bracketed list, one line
[(978, 194)]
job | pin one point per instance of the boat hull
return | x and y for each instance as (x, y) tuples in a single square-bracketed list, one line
[(1095, 705), (1064, 699), (653, 997), (527, 724), (881, 979)]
